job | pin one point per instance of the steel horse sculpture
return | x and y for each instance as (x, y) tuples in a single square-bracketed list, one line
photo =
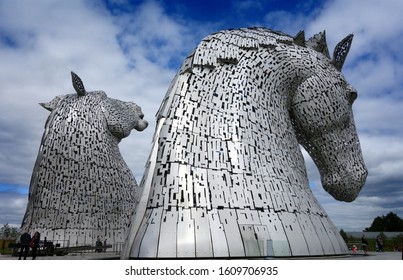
[(226, 177), (81, 188)]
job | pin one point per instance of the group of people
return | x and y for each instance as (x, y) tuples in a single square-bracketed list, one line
[(379, 244), (27, 242)]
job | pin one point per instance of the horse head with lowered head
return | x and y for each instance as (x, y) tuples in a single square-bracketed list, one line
[(226, 176), (321, 112)]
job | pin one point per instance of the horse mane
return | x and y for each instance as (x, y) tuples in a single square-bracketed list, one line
[(227, 46)]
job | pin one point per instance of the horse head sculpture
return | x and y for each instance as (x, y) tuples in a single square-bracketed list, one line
[(81, 188), (226, 176), (322, 115)]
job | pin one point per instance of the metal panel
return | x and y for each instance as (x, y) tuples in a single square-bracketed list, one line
[(263, 238), (338, 243), (149, 247), (219, 240), (203, 237), (248, 217), (311, 236), (294, 234), (278, 244), (168, 236), (322, 235), (252, 248), (201, 191), (186, 235), (233, 236), (132, 249)]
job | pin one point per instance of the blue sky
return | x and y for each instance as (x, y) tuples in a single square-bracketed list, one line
[(132, 50)]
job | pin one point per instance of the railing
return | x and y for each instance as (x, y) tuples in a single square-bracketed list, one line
[(52, 248)]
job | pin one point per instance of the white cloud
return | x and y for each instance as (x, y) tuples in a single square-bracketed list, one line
[(286, 22), (12, 208), (147, 34), (383, 156), (371, 22), (355, 216), (376, 76)]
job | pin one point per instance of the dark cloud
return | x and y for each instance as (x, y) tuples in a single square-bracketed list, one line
[(389, 189)]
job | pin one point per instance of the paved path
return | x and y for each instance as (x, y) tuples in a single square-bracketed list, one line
[(113, 256), (377, 256)]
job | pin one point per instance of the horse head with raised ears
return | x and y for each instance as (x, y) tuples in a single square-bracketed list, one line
[(226, 176), (321, 111), (81, 186)]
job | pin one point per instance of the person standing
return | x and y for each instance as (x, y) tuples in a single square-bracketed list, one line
[(24, 249), (45, 243), (364, 244), (105, 245), (379, 243), (35, 244), (98, 243)]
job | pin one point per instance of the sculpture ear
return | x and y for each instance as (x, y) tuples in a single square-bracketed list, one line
[(48, 106), (341, 51), (77, 84), (299, 39), (51, 105), (318, 43)]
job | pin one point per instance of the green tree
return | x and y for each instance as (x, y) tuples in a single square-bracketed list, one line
[(396, 243), (393, 222), (9, 232), (377, 224), (390, 222), (344, 235)]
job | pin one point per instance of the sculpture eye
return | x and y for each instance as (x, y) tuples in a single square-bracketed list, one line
[(352, 96)]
